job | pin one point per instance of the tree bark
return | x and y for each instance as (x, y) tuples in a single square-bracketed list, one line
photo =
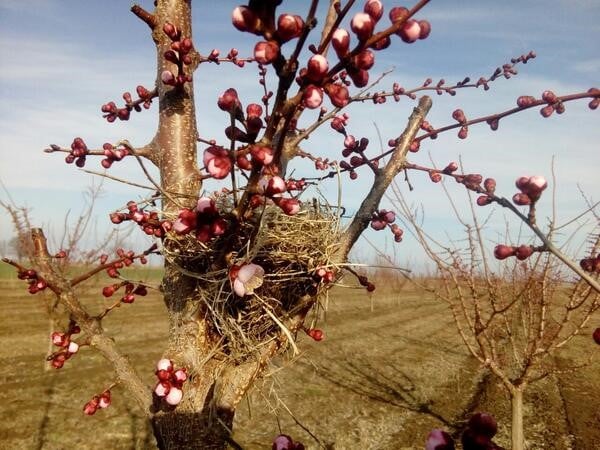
[(518, 438)]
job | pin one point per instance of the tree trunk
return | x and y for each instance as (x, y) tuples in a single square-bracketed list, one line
[(518, 439), (188, 430)]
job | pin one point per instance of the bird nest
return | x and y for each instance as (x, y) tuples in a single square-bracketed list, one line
[(290, 249)]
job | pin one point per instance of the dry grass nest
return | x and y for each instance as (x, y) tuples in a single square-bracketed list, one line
[(289, 249)]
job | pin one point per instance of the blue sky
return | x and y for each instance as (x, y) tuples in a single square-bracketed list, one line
[(62, 59)]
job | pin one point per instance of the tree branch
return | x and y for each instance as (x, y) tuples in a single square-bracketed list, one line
[(145, 16), (126, 374), (383, 178)]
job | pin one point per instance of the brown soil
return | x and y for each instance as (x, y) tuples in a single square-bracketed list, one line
[(380, 380)]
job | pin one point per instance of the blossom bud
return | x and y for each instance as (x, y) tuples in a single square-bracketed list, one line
[(105, 400), (362, 25), (174, 396), (523, 252), (425, 27), (364, 60), (317, 68), (313, 97), (439, 440), (521, 199), (262, 155), (289, 26), (244, 19), (228, 100), (338, 95), (316, 334), (265, 52), (168, 78), (91, 407), (206, 205), (162, 388), (340, 42), (73, 347), (164, 364), (290, 206), (374, 8), (410, 31), (503, 251), (397, 14), (360, 78)]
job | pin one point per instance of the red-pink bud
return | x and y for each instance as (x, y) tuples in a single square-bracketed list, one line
[(547, 110), (105, 400), (265, 52), (397, 14), (162, 388), (525, 101), (164, 364), (521, 199), (91, 407), (289, 206), (549, 97), (244, 19), (483, 200), (180, 375), (504, 251), (243, 162), (253, 110), (338, 95), (596, 336), (374, 8), (360, 78), (410, 31), (171, 31), (364, 60), (378, 224), (289, 26), (362, 25), (316, 334), (262, 155), (316, 68), (59, 339), (340, 41), (313, 97), (439, 440), (168, 78), (523, 252), (425, 27), (490, 185), (174, 396), (108, 291), (228, 100)]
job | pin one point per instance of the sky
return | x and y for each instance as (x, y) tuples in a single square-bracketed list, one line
[(62, 59)]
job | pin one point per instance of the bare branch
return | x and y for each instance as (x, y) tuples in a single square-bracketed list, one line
[(383, 179)]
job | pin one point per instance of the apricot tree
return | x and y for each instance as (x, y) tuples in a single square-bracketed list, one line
[(246, 266)]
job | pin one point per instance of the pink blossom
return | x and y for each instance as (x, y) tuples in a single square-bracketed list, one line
[(248, 278), (162, 388), (439, 440), (313, 97), (290, 206), (217, 162), (174, 396), (206, 205), (73, 347), (164, 364)]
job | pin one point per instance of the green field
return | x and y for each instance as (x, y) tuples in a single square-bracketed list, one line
[(380, 380)]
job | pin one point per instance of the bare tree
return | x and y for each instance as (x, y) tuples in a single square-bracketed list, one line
[(514, 317), (245, 266)]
